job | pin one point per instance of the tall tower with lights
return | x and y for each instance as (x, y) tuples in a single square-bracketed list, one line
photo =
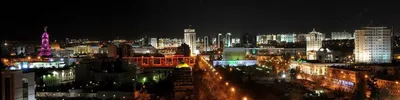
[(190, 39), (45, 48)]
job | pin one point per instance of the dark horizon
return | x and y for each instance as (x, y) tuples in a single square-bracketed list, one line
[(160, 18)]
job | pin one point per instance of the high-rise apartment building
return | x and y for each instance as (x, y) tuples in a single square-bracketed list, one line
[(17, 85), (314, 43), (340, 35), (190, 39), (153, 42), (373, 45), (206, 43), (219, 40), (228, 42)]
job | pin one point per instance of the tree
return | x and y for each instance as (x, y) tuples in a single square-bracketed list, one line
[(293, 73), (184, 49), (359, 92), (374, 89)]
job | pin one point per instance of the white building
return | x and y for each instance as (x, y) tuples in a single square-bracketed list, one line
[(228, 42), (190, 39), (17, 85), (153, 42), (341, 35), (373, 45), (314, 42), (235, 41)]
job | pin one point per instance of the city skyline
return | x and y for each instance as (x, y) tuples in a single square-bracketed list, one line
[(167, 18)]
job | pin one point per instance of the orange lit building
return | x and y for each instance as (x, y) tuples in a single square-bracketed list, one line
[(345, 78), (389, 83)]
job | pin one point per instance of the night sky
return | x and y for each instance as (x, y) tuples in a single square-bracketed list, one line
[(168, 18)]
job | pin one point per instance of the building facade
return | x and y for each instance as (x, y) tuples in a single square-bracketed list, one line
[(17, 85), (190, 39), (228, 42), (373, 45), (314, 42)]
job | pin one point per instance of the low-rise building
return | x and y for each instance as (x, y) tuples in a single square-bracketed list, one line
[(345, 77)]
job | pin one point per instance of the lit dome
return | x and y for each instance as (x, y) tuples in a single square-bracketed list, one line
[(55, 46), (182, 65)]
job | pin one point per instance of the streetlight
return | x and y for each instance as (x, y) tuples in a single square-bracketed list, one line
[(220, 77), (244, 98), (226, 83), (233, 89)]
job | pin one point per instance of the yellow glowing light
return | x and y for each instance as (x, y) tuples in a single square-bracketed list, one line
[(226, 83), (397, 82), (220, 77), (244, 98), (38, 57), (233, 89), (29, 57), (366, 76)]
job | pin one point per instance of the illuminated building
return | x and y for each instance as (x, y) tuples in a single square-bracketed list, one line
[(373, 45), (228, 42), (169, 42), (144, 50), (234, 62), (341, 35), (160, 61), (235, 41), (206, 43), (190, 39), (219, 41), (344, 78), (312, 69), (58, 77), (286, 37), (84, 49), (314, 43), (238, 53), (45, 48), (153, 42), (51, 63), (17, 85), (262, 39), (391, 84), (55, 46)]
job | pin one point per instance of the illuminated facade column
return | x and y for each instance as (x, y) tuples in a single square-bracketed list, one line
[(314, 42), (228, 42), (190, 39), (373, 45), (45, 48)]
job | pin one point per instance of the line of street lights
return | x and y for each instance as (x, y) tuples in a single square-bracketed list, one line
[(220, 78)]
